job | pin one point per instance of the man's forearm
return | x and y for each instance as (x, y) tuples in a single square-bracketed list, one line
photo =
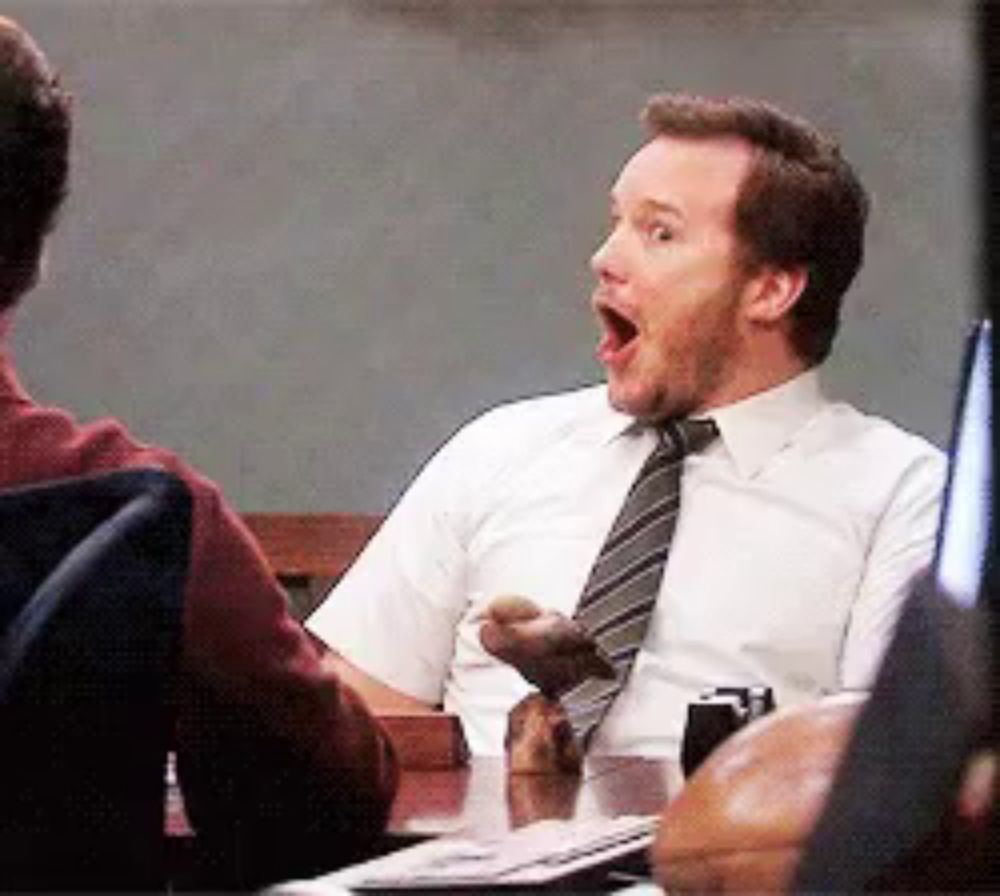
[(379, 697)]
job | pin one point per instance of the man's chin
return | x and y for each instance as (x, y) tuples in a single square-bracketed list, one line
[(645, 406), (635, 404)]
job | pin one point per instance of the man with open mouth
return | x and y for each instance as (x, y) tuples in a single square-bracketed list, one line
[(734, 232)]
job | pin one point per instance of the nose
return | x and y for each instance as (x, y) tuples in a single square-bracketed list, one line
[(607, 260)]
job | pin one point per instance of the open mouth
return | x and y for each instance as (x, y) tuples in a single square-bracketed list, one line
[(619, 330)]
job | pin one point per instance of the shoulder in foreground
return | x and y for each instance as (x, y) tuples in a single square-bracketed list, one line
[(515, 431), (551, 411)]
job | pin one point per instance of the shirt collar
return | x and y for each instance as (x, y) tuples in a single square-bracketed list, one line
[(614, 423), (754, 429)]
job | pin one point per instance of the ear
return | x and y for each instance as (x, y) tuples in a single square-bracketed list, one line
[(772, 293)]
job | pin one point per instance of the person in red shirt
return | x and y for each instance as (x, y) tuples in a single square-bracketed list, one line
[(283, 769)]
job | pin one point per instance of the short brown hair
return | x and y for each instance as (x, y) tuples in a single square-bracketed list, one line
[(801, 204), (35, 127)]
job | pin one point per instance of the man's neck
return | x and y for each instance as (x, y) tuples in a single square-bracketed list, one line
[(750, 380)]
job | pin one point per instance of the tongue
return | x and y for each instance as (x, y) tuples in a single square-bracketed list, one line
[(611, 344), (618, 333)]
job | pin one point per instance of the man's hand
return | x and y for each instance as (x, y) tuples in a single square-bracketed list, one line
[(552, 652), (540, 741)]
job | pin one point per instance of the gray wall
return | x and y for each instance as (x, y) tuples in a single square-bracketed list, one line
[(308, 239)]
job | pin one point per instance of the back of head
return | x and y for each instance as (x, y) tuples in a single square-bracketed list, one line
[(35, 127), (800, 206)]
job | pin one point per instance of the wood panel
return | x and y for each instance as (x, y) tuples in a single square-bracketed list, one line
[(432, 740), (312, 545)]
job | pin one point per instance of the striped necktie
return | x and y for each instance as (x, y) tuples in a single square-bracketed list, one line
[(620, 594)]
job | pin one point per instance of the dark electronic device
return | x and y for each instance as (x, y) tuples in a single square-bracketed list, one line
[(719, 713)]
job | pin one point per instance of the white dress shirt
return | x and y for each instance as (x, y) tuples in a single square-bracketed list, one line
[(800, 529)]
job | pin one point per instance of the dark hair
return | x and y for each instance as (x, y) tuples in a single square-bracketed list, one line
[(35, 126), (800, 205)]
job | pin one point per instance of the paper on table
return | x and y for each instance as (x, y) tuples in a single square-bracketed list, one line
[(537, 853)]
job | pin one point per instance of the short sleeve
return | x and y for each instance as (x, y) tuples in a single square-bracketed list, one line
[(394, 614)]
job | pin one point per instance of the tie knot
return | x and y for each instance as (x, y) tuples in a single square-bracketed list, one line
[(685, 436)]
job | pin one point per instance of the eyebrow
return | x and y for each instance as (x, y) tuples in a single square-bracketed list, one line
[(647, 206)]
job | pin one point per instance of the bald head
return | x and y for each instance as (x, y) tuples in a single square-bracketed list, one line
[(35, 129)]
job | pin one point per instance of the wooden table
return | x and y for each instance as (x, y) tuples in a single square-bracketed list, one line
[(482, 801), (482, 798)]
